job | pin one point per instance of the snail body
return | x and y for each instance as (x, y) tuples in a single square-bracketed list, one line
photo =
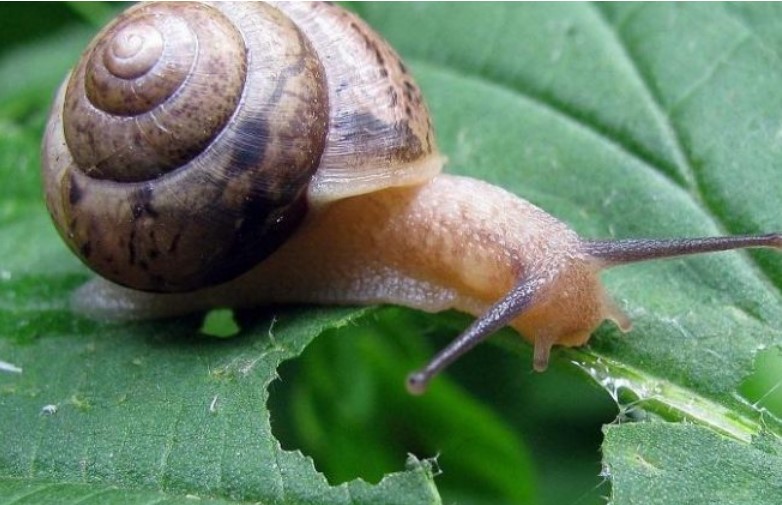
[(317, 181)]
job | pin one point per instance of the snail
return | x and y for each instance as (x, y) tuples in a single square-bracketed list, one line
[(204, 155)]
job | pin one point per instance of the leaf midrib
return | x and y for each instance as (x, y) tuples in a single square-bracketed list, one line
[(738, 424)]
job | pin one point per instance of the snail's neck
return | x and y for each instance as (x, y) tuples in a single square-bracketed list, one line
[(453, 242)]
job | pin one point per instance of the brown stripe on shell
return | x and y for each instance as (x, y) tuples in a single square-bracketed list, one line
[(380, 130), (74, 192), (359, 129)]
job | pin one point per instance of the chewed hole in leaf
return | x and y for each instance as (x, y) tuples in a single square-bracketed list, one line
[(333, 404), (220, 323), (343, 402), (763, 388)]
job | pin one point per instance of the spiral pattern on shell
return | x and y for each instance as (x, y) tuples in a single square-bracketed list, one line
[(191, 138), (157, 88), (187, 138)]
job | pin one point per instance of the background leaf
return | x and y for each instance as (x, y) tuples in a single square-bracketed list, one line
[(621, 119)]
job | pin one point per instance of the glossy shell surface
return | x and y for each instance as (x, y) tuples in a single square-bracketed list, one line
[(191, 139)]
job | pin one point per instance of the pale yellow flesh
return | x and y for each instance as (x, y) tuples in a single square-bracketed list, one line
[(453, 242)]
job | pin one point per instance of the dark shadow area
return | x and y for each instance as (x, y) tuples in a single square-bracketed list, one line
[(500, 432)]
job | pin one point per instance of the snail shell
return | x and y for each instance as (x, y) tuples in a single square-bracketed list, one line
[(192, 139)]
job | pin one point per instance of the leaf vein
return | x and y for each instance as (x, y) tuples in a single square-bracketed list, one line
[(43, 487), (737, 16), (95, 493), (169, 443), (658, 111), (695, 180), (660, 395), (708, 75)]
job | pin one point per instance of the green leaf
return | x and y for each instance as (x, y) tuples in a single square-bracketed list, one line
[(621, 119), (629, 120), (697, 466), (155, 407)]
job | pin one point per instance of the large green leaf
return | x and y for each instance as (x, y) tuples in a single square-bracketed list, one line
[(635, 120), (623, 120)]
